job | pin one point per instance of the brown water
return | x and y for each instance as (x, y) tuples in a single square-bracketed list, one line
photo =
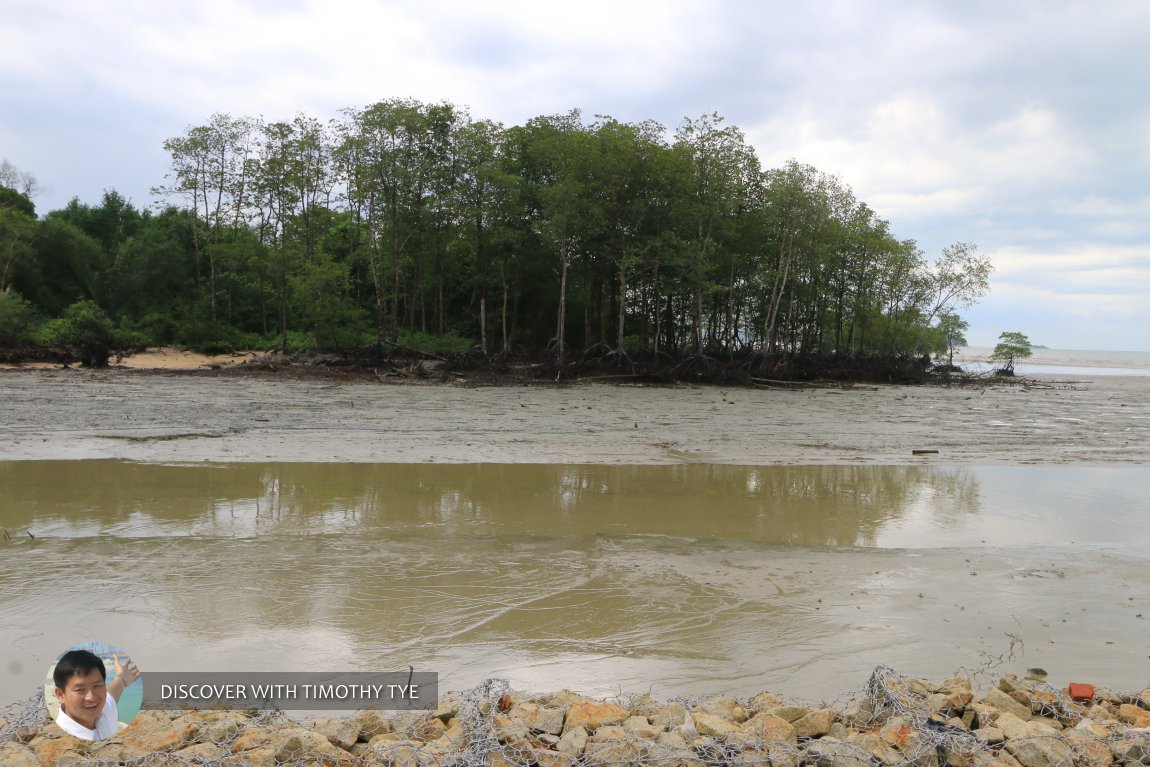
[(691, 579)]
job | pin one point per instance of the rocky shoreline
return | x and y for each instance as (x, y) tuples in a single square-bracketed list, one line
[(896, 722)]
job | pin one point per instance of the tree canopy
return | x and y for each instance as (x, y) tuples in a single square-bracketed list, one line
[(405, 221)]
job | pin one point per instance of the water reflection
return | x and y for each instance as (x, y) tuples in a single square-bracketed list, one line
[(813, 506), (694, 579)]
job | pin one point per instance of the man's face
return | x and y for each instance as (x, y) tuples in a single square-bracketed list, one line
[(83, 697)]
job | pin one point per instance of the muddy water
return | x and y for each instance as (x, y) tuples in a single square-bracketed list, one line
[(690, 579)]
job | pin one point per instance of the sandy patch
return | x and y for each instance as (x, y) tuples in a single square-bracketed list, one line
[(121, 414)]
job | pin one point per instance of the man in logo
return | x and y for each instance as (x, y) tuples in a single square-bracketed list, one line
[(87, 703)]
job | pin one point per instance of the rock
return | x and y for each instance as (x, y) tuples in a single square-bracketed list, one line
[(724, 707), (385, 739), (671, 715), (222, 730), (923, 688), (1088, 750), (959, 698), (161, 736), (447, 709), (539, 718), (17, 755), (1132, 750), (573, 742), (1047, 721), (591, 716), (511, 732), (396, 754), (859, 713), (566, 699), (1016, 729), (875, 746), (606, 733), (545, 758), (640, 727), (51, 750), (989, 736), (256, 757), (250, 739), (769, 727), (201, 751), (672, 740), (370, 723), (1139, 717), (341, 733), (896, 732), (1003, 702), (456, 738), (297, 743), (437, 754), (406, 722), (1049, 751), (765, 701), (829, 752), (791, 713), (1106, 695), (617, 751), (938, 703), (815, 724), (1091, 727), (428, 731), (714, 726)]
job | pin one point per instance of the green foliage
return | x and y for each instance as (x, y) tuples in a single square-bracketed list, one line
[(84, 322), (952, 330), (17, 317), (12, 200), (430, 344), (1011, 346), (416, 224)]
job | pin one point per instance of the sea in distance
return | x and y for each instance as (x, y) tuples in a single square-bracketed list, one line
[(1045, 361)]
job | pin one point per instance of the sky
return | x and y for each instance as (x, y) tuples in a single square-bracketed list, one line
[(1022, 126)]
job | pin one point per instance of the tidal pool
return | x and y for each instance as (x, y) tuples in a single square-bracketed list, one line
[(681, 580)]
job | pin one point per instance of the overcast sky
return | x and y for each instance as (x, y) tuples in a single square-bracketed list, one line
[(1023, 127)]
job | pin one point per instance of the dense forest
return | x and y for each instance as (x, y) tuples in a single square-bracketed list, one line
[(415, 225)]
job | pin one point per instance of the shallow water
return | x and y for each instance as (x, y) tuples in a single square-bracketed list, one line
[(690, 579)]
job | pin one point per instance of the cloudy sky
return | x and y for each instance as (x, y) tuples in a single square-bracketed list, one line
[(1022, 126)]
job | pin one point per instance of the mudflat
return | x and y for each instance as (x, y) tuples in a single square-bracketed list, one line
[(173, 416)]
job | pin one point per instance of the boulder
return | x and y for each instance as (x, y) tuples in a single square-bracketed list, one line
[(765, 701), (815, 724), (1131, 714), (791, 713), (640, 727), (296, 743), (591, 715), (573, 742), (714, 726), (769, 727), (17, 755), (673, 714), (370, 723), (722, 706), (539, 718), (876, 747), (829, 752), (547, 758), (341, 733), (1003, 702), (1088, 750), (1041, 751), (619, 751)]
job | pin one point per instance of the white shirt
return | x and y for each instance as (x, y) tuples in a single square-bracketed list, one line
[(106, 726)]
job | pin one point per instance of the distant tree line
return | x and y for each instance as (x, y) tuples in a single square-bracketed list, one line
[(414, 223)]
